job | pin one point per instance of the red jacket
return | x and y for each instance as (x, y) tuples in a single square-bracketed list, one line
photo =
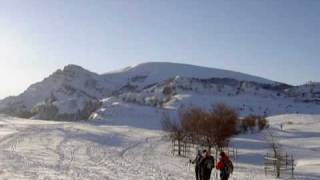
[(221, 164)]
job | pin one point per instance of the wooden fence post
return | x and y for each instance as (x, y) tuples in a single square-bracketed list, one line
[(286, 160), (292, 167)]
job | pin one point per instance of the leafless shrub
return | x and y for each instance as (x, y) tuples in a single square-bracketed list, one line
[(244, 126), (221, 125), (252, 122), (175, 130), (212, 128), (192, 121), (262, 123), (289, 122)]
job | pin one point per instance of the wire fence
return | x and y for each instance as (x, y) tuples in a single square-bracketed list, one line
[(279, 164)]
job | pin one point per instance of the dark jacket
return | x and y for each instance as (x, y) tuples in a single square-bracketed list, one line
[(197, 161), (206, 165)]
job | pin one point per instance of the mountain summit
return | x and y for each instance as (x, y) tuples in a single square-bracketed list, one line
[(164, 70)]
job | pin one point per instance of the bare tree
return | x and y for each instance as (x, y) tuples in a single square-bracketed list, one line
[(191, 121), (249, 123), (262, 123), (212, 128), (174, 128), (223, 124), (276, 149)]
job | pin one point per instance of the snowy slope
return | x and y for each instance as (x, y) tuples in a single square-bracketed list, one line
[(168, 96), (300, 137), (75, 93), (149, 73), (309, 92), (36, 149)]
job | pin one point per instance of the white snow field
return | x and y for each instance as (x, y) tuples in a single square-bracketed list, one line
[(36, 149)]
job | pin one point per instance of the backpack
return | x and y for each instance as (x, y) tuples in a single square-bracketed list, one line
[(228, 166), (210, 164)]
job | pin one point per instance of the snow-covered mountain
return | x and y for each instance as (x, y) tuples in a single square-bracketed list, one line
[(148, 89), (67, 93)]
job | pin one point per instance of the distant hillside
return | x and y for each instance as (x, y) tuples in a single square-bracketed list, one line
[(148, 89)]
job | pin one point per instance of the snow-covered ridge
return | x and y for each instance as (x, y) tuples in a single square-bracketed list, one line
[(75, 93), (159, 71)]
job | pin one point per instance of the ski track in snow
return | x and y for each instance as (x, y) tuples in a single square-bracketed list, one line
[(46, 150), (55, 152)]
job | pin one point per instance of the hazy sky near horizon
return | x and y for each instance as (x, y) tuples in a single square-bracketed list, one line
[(278, 40)]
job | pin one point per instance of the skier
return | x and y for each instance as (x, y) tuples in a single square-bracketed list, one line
[(281, 127), (206, 165), (196, 161), (225, 166)]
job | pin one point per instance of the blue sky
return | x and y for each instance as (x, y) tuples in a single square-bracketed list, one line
[(278, 40)]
